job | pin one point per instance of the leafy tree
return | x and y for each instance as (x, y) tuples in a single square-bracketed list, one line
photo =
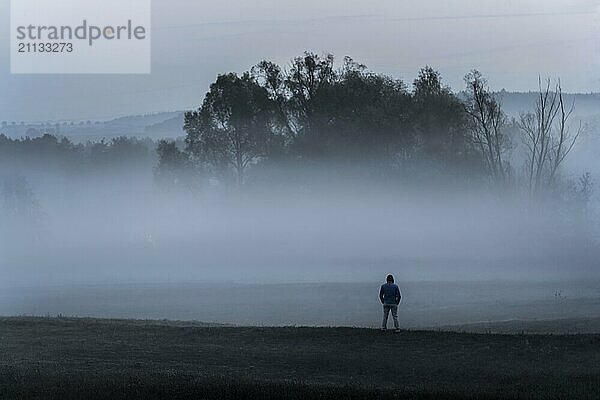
[(366, 114), (128, 149), (438, 120), (233, 126), (323, 112), (272, 78), (174, 167), (307, 79)]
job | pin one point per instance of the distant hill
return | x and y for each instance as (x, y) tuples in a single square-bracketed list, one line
[(172, 127), (514, 103), (170, 124), (155, 126)]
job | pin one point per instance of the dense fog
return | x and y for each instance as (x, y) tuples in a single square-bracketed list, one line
[(315, 173), (116, 244), (122, 227)]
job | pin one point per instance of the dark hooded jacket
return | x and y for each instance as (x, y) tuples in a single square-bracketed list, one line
[(389, 294)]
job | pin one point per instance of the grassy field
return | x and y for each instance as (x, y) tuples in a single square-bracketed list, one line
[(540, 326), (66, 358)]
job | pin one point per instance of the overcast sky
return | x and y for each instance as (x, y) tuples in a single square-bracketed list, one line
[(510, 41)]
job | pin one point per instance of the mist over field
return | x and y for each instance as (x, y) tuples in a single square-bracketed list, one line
[(116, 229), (308, 183), (113, 243)]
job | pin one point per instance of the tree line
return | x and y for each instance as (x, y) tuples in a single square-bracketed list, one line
[(46, 148), (314, 113)]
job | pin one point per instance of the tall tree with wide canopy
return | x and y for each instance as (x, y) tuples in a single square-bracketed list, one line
[(233, 126)]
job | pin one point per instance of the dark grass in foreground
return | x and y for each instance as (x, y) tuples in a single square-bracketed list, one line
[(539, 326), (102, 359)]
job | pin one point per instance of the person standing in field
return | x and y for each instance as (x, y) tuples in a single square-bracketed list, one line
[(390, 296)]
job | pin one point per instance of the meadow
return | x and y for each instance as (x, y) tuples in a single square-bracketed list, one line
[(73, 358)]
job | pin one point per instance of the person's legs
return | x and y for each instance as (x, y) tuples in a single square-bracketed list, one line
[(386, 312), (395, 316)]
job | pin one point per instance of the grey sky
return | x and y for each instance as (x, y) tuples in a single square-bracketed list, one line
[(511, 42)]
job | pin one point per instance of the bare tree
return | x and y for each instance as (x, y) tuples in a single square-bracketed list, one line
[(547, 137), (487, 126)]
